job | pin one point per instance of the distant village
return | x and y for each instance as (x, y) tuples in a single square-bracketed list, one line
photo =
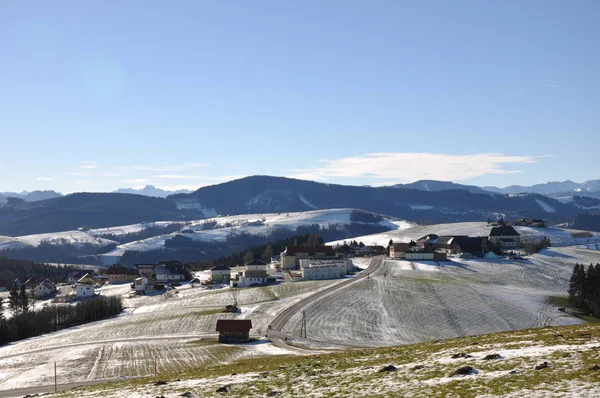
[(294, 264)]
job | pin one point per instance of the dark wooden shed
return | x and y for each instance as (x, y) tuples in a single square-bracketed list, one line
[(234, 330)]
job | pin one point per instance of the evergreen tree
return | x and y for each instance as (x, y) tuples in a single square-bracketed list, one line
[(391, 243), (1, 310), (249, 257), (577, 285), (268, 253), (23, 300), (13, 301)]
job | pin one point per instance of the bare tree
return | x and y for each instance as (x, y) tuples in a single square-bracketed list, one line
[(234, 293)]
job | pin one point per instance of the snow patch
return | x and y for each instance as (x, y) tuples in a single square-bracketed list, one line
[(547, 208)]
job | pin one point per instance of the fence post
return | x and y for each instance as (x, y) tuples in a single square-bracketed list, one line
[(55, 384)]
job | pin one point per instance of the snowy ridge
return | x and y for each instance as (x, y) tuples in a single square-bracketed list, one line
[(557, 236)]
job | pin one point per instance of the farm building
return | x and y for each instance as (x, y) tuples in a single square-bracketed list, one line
[(324, 269), (290, 258), (462, 244), (234, 330), (398, 250), (505, 236)]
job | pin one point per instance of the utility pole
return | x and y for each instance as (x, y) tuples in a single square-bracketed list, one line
[(303, 325)]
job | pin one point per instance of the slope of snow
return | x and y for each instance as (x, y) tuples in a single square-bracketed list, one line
[(547, 208), (76, 238), (128, 229), (256, 224)]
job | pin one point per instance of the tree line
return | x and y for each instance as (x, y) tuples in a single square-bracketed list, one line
[(584, 288), (23, 325), (11, 269)]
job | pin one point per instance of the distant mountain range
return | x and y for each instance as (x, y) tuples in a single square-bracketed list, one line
[(421, 202), (554, 188), (30, 196), (150, 190)]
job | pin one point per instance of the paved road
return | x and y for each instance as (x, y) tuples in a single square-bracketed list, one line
[(275, 334), (21, 392)]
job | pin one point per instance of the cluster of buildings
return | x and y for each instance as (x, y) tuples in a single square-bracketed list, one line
[(437, 247)]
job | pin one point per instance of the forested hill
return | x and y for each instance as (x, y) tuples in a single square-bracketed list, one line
[(87, 210)]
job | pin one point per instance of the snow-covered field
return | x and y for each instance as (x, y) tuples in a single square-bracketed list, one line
[(558, 236), (151, 327), (407, 302)]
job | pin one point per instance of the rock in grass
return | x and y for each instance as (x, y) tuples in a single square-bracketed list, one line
[(188, 394), (274, 394), (160, 383), (222, 389), (389, 368), (465, 371), (418, 367), (541, 366), (490, 357), (513, 372), (461, 355), (595, 367)]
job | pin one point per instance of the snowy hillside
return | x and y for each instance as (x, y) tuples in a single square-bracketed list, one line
[(76, 238), (213, 229), (217, 229), (558, 236)]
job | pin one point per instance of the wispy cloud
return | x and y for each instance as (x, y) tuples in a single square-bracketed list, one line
[(552, 86), (167, 168), (45, 179), (89, 165), (406, 167)]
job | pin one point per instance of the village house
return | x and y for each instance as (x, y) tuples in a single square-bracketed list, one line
[(165, 274), (505, 237), (530, 222), (290, 258), (84, 288), (29, 283), (144, 285), (216, 274), (419, 253), (145, 270), (234, 330), (118, 273), (254, 274), (74, 276), (45, 289)]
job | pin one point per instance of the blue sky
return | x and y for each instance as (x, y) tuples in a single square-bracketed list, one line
[(101, 95)]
